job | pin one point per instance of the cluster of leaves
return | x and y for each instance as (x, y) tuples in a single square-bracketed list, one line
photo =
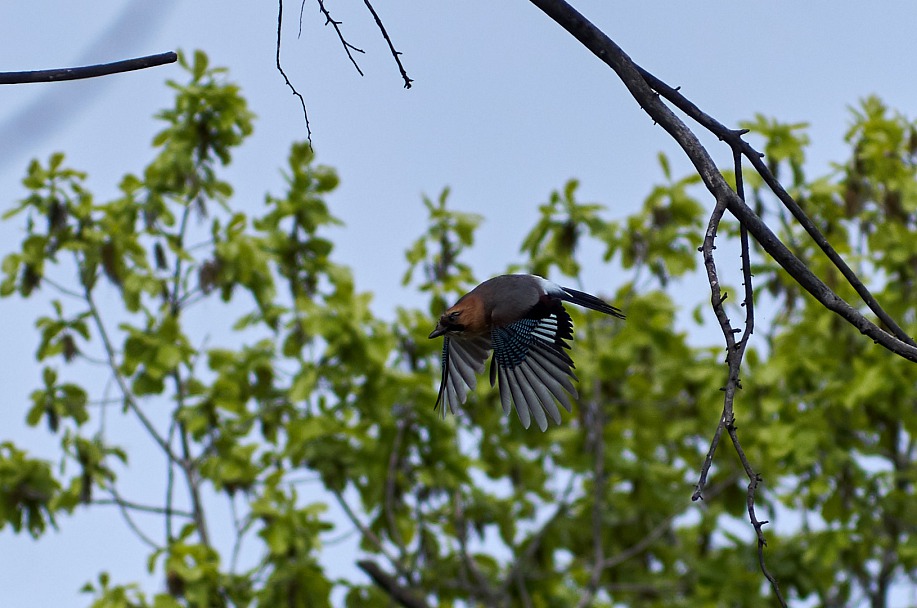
[(835, 416), (473, 509)]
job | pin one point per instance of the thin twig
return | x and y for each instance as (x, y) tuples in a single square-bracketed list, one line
[(170, 484), (482, 588), (89, 71), (391, 47), (187, 465), (643, 544), (518, 567), (369, 535), (336, 540), (302, 9), (596, 442), (735, 352), (126, 515), (337, 28), (753, 480), (242, 526), (708, 459), (302, 101), (64, 290), (390, 482), (133, 506), (128, 395)]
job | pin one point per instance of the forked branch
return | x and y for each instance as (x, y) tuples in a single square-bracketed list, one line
[(637, 82), (647, 90)]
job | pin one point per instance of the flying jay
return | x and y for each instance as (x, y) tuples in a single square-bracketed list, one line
[(521, 317)]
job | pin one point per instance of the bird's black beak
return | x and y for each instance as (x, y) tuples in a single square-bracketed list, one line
[(440, 330)]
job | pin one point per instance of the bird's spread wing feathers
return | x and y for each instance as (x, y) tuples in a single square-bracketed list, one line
[(463, 360), (533, 368)]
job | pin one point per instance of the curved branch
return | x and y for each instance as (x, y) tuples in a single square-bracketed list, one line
[(735, 352), (734, 139), (612, 55), (89, 71)]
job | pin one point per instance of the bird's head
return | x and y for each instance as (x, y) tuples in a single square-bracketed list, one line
[(467, 317), (451, 322)]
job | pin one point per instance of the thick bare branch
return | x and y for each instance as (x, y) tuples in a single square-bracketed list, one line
[(734, 139), (89, 71), (612, 55)]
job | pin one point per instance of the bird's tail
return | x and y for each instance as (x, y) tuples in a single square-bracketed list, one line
[(590, 301)]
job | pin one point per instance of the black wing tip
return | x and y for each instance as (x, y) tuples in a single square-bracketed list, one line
[(591, 302)]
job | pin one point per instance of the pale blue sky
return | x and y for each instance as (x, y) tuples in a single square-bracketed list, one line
[(505, 107)]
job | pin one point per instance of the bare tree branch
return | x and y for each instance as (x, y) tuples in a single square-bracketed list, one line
[(337, 28), (641, 87), (391, 47), (735, 352), (632, 77), (89, 71), (348, 48), (305, 113), (753, 480), (734, 139)]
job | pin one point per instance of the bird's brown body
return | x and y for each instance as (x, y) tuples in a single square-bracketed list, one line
[(522, 319)]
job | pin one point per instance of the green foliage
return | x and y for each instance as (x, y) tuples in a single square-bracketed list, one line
[(27, 491), (439, 252), (298, 396)]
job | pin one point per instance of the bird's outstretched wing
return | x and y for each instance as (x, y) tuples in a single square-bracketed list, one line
[(463, 360), (533, 367)]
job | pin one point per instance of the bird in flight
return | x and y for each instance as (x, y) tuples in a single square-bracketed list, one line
[(521, 317)]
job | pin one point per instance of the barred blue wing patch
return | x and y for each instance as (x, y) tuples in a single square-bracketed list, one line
[(533, 369), (512, 343)]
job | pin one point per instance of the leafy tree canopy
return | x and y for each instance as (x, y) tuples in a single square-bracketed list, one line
[(299, 378)]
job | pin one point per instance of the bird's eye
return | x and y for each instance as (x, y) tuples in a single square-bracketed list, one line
[(454, 315)]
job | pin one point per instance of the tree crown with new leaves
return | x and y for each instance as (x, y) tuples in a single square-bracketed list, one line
[(297, 396)]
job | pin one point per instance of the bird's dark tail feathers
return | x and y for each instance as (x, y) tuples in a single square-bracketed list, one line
[(590, 301)]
